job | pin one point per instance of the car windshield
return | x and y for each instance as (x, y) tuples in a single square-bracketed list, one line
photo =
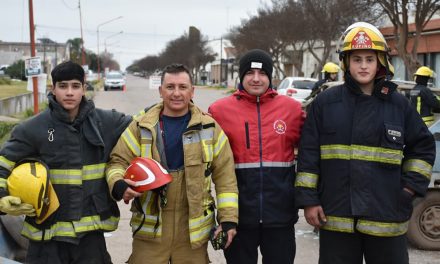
[(114, 76), (303, 84)]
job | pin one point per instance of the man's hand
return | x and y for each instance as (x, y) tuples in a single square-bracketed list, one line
[(12, 205), (231, 234), (315, 215), (130, 193)]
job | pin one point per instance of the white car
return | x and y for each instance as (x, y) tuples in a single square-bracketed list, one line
[(297, 88), (114, 80)]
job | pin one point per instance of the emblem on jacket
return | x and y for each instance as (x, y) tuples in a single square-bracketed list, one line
[(280, 126), (50, 132)]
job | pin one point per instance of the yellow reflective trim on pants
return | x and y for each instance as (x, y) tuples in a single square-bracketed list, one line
[(339, 224), (131, 142), (3, 183), (227, 200), (5, 163), (305, 179), (148, 226), (70, 229), (381, 229), (221, 141), (359, 152), (419, 166)]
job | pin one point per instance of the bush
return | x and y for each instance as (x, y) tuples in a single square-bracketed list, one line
[(5, 81), (5, 128)]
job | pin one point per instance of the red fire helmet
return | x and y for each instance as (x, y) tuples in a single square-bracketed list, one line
[(147, 173)]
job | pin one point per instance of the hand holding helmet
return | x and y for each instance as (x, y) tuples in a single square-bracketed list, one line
[(12, 205)]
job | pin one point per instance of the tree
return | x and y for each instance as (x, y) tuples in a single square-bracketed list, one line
[(398, 12), (16, 70)]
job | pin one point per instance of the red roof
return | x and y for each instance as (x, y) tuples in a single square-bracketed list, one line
[(433, 24)]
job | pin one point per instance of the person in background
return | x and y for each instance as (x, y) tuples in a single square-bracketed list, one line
[(263, 128), (74, 139), (330, 71), (364, 155), (422, 98), (173, 224)]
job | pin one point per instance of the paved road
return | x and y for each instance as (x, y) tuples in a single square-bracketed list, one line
[(136, 97)]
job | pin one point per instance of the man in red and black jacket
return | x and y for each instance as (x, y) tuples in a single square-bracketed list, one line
[(263, 129)]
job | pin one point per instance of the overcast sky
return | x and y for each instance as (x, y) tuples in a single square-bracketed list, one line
[(147, 25)]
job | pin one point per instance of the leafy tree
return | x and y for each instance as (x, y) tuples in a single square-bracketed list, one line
[(16, 70)]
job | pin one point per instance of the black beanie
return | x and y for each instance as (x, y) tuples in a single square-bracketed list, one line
[(67, 71), (256, 59)]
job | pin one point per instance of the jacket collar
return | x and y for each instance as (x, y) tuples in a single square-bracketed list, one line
[(242, 94), (61, 114), (382, 88)]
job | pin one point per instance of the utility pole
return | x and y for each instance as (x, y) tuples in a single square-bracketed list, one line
[(32, 36), (83, 55)]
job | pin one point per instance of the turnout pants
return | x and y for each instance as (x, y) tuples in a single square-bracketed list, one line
[(90, 250), (351, 248), (174, 246), (277, 246)]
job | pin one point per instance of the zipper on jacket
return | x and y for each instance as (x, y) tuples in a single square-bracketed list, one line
[(246, 128), (260, 142)]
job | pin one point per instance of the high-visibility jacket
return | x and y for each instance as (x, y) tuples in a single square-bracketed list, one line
[(263, 132), (207, 157), (76, 154), (356, 155), (424, 101)]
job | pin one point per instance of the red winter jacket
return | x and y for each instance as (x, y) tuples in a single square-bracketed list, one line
[(263, 132)]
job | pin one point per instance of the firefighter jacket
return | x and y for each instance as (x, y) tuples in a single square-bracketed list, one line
[(207, 157), (424, 100), (357, 153), (76, 154), (263, 132)]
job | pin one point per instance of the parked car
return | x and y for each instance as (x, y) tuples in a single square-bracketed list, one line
[(297, 88), (424, 225), (114, 80)]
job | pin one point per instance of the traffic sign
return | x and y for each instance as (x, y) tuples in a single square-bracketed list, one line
[(33, 66)]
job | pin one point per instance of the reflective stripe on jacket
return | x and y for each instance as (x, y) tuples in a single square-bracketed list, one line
[(76, 154), (207, 157), (357, 153)]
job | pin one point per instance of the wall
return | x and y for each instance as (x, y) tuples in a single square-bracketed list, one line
[(20, 103)]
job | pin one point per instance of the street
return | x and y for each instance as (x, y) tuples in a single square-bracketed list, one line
[(138, 96)]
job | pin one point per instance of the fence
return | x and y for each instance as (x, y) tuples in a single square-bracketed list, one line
[(20, 103)]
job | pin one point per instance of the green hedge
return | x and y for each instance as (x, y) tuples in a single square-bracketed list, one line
[(5, 130)]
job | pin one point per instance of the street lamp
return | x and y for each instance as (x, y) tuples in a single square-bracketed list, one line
[(112, 35), (97, 35)]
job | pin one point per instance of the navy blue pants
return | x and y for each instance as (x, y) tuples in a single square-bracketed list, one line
[(277, 246), (347, 248), (90, 250)]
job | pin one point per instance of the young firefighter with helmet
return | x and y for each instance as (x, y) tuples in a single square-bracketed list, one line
[(55, 164), (422, 98), (364, 155), (172, 224), (330, 71)]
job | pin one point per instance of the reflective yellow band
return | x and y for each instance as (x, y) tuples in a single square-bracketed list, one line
[(277, 164), (418, 166), (3, 183), (196, 223), (359, 152), (118, 172), (148, 226), (227, 200), (305, 179), (200, 235), (74, 176), (131, 142), (221, 141), (428, 118), (5, 163), (339, 224), (70, 229), (208, 152), (381, 229), (146, 140), (419, 104)]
